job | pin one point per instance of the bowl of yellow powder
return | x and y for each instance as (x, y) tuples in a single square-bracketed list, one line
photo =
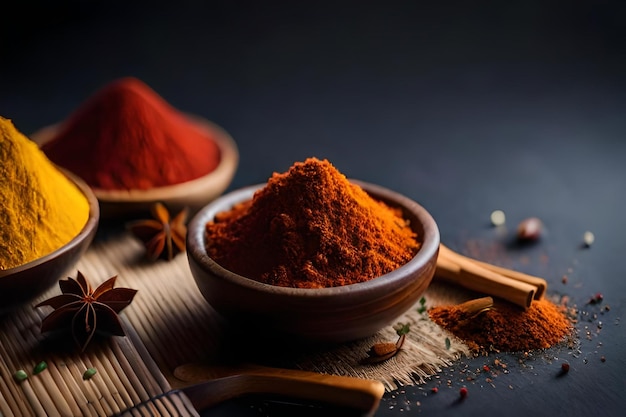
[(312, 256), (48, 219)]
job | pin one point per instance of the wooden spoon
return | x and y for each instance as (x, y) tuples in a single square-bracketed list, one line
[(208, 385)]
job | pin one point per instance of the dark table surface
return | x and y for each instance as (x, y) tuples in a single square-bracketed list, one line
[(465, 108)]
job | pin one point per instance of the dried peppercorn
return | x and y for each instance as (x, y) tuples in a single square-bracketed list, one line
[(529, 229), (463, 392)]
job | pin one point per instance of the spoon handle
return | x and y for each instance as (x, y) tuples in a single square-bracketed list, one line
[(207, 385)]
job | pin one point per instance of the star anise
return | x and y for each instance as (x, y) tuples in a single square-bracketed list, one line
[(83, 310), (162, 236)]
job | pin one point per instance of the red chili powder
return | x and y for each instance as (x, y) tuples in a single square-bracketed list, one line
[(507, 327), (311, 228), (125, 137)]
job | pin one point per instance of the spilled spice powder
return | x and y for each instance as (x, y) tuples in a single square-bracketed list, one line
[(506, 327), (311, 228)]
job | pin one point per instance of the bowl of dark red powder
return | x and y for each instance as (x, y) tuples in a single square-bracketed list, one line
[(312, 256), (135, 149)]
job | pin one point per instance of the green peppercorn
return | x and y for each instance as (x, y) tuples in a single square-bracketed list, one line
[(20, 375), (39, 367), (89, 372)]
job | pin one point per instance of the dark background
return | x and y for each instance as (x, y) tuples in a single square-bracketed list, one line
[(465, 107)]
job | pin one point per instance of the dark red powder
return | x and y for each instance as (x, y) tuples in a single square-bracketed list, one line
[(127, 137)]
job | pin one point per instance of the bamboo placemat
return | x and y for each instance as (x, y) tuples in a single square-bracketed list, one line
[(127, 381), (168, 324)]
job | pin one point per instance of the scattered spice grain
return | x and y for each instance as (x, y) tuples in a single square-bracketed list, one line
[(310, 227), (597, 298)]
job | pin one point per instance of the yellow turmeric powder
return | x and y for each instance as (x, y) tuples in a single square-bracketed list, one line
[(40, 208)]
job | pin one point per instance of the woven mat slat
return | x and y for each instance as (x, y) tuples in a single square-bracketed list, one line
[(6, 408), (9, 392), (65, 389)]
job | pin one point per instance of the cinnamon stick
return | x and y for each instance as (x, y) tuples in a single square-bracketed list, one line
[(539, 283), (477, 278)]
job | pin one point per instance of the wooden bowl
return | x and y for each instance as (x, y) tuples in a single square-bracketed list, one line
[(193, 194), (23, 283), (326, 315)]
